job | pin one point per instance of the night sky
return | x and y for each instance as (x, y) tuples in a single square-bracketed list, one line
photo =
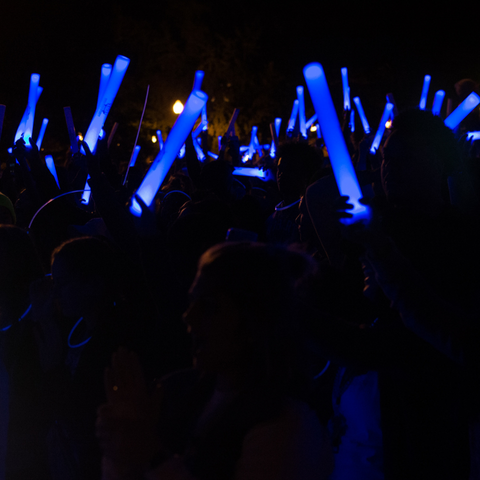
[(386, 47)]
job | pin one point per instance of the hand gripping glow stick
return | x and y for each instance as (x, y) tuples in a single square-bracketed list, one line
[(26, 124), (293, 117), (363, 118), (346, 90), (164, 160), (249, 172), (51, 166), (423, 98), (312, 120), (437, 102), (134, 156), (351, 123), (42, 133), (335, 143), (454, 119), (301, 112), (118, 72), (104, 77), (473, 136), (2, 116), (197, 83), (71, 129), (86, 192), (160, 139), (381, 128)]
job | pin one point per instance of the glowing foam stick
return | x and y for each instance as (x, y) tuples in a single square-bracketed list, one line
[(86, 192), (51, 167), (134, 156), (2, 116), (423, 98), (204, 118), (102, 134), (104, 76), (181, 153), (243, 148), (473, 136), (293, 117), (392, 100), (213, 155), (337, 150), (198, 130), (363, 118), (219, 138), (387, 111), (164, 160), (312, 120), (198, 149), (346, 90), (118, 72), (352, 120), (301, 112), (42, 133), (319, 131), (251, 145), (437, 102), (160, 139), (249, 172), (197, 83), (454, 119), (26, 124)]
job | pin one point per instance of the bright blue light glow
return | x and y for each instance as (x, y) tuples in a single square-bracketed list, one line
[(134, 156), (160, 139), (219, 142), (243, 148), (363, 118), (198, 130), (278, 122), (213, 155), (42, 133), (118, 72), (26, 124), (423, 98), (454, 119), (204, 118), (437, 102), (10, 150), (181, 153), (51, 167), (332, 133), (198, 149), (102, 134), (258, 147), (197, 83), (301, 111), (311, 121), (164, 160), (390, 99), (473, 136), (352, 120), (387, 111), (86, 192), (319, 131), (250, 172), (104, 77), (251, 145), (293, 117), (346, 90)]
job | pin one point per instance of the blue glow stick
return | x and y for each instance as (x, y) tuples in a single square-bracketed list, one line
[(164, 160), (250, 172), (278, 122), (352, 120), (104, 77), (102, 134), (135, 153), (198, 149), (437, 102), (86, 192), (346, 90), (293, 117), (423, 98), (197, 83), (181, 153), (160, 139), (26, 124), (199, 129), (51, 167), (243, 148), (42, 133), (118, 72), (301, 111), (319, 131), (387, 111), (363, 118), (251, 145), (219, 142), (473, 136), (454, 119), (204, 118), (335, 143), (390, 99), (213, 155), (311, 121)]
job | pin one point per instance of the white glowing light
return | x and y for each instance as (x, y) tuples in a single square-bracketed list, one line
[(178, 107), (154, 139)]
